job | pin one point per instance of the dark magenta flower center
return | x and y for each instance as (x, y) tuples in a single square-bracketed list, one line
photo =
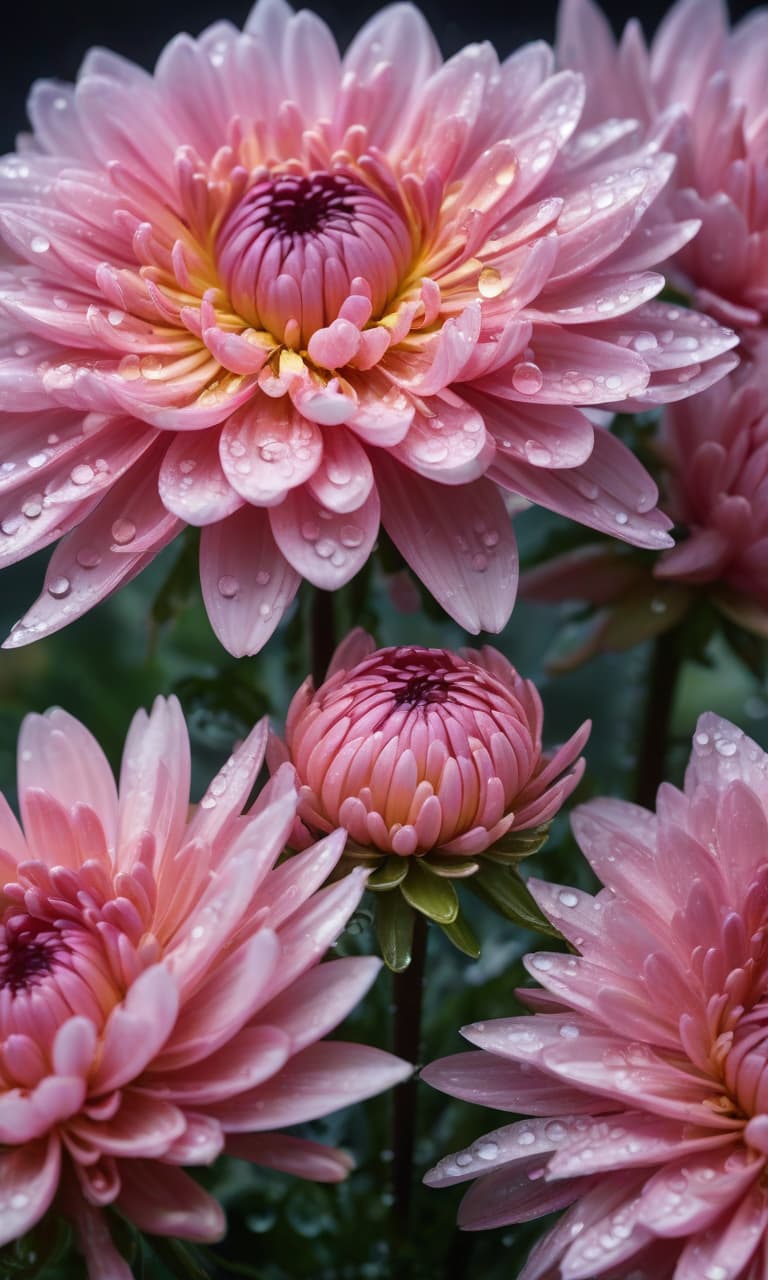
[(295, 246)]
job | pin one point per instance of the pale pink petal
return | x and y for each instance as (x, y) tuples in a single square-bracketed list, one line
[(461, 545), (247, 582), (192, 484), (166, 1202), (57, 753), (317, 1081), (321, 999), (326, 547), (299, 1156), (155, 777), (28, 1178), (137, 1029)]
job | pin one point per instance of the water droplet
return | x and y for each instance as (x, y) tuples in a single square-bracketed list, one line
[(228, 587), (537, 454), (506, 176), (490, 283), (32, 508), (568, 898), (263, 577), (527, 378), (479, 562), (83, 473), (59, 587), (569, 1031), (525, 1138), (487, 1150), (88, 558), (542, 962), (19, 1200), (39, 244), (621, 517), (21, 348), (725, 747), (123, 532), (37, 460), (310, 531), (351, 535), (463, 1159)]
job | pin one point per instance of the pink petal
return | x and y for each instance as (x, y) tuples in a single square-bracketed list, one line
[(320, 999), (459, 542), (507, 1086), (318, 1080), (344, 477), (137, 1029), (611, 492), (108, 548), (192, 484), (155, 778), (450, 446), (225, 797), (58, 753), (250, 1057), (247, 582), (268, 448), (325, 547), (163, 1200), (299, 1156), (29, 1177), (142, 1126)]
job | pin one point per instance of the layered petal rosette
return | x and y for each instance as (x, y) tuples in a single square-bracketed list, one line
[(281, 295), (644, 1064), (699, 89), (419, 751), (160, 996)]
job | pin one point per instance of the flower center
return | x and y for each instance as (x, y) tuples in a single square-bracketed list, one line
[(420, 691), (28, 949), (290, 249)]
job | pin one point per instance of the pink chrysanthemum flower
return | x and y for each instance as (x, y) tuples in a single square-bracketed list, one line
[(715, 459), (279, 294), (645, 1062), (717, 480), (417, 751), (160, 1000), (700, 88)]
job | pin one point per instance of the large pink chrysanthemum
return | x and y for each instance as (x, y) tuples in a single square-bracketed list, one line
[(160, 1000), (645, 1064), (277, 294), (701, 89), (418, 751)]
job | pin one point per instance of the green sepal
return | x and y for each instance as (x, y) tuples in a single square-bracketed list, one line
[(389, 875), (432, 895), (504, 890), (394, 930), (451, 868), (462, 935), (516, 845)]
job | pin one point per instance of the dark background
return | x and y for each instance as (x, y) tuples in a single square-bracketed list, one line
[(49, 38)]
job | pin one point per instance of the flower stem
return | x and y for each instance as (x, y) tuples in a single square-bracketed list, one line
[(322, 633), (408, 990), (664, 669)]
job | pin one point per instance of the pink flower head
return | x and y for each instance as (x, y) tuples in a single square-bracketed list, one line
[(421, 750), (644, 1064), (280, 295), (160, 999), (717, 461), (700, 89)]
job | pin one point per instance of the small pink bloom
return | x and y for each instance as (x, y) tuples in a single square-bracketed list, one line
[(160, 997), (282, 295), (700, 90), (717, 480), (643, 1066), (421, 750)]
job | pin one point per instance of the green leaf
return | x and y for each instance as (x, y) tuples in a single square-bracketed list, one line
[(388, 876), (503, 889), (394, 930), (517, 844), (432, 895), (179, 1259), (462, 935)]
